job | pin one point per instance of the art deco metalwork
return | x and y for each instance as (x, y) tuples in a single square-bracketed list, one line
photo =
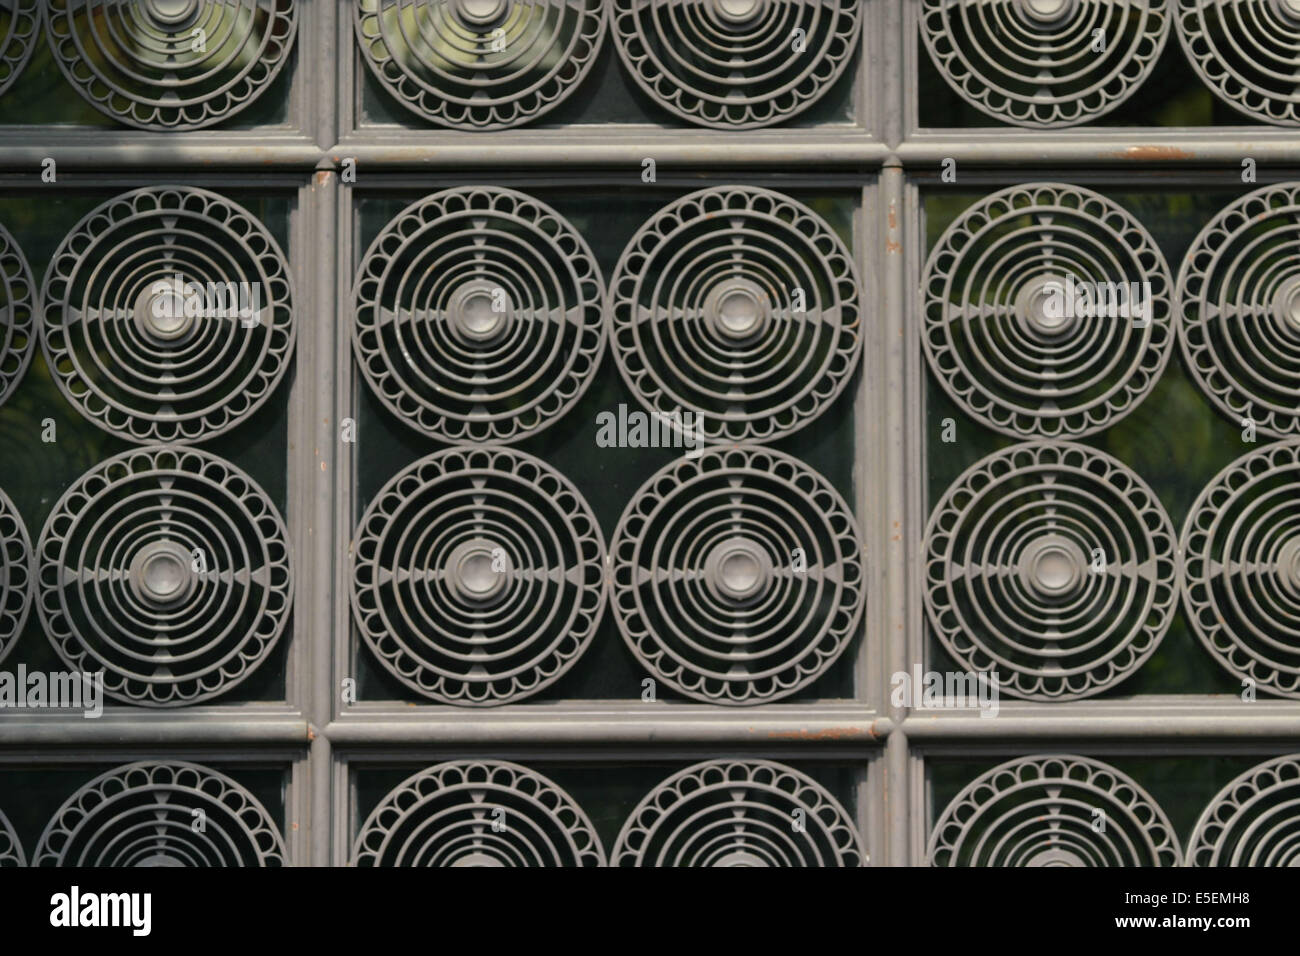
[(738, 813), (143, 814), (1247, 53), (478, 315), (11, 850), (741, 306), (478, 576), (1253, 820), (804, 272), (21, 30), (736, 64), (1054, 565), (17, 315), (16, 582), (1239, 305), (1002, 333), (480, 64), (478, 813), (1241, 560), (168, 569), (738, 576), (171, 64), (135, 347), (1058, 810), (1045, 63)]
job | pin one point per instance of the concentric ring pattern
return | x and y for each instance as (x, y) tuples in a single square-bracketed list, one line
[(738, 576), (1047, 311), (1053, 565), (1253, 821), (16, 582), (1247, 52), (11, 849), (20, 27), (1241, 568), (739, 813), (169, 569), (736, 64), (480, 64), (1058, 810), (1239, 297), (478, 813), (478, 576), (740, 306), (168, 315), (1045, 63), (479, 315), (17, 315), (166, 814), (171, 64)]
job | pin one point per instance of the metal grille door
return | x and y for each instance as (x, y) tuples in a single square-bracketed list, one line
[(649, 432)]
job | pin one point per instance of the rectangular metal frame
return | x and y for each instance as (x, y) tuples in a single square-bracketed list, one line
[(888, 157)]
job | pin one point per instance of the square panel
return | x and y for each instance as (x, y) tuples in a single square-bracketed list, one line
[(816, 492)]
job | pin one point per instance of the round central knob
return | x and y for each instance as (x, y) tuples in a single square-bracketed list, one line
[(1045, 12), (740, 858), (1052, 566), (1288, 8), (1288, 566), (161, 573), (477, 858), (1041, 309), (737, 309), (737, 11), (171, 12), (738, 569), (160, 859), (479, 13), (472, 570), (1286, 303), (740, 572), (479, 313), (160, 315), (1055, 857)]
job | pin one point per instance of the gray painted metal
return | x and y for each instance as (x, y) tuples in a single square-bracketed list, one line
[(886, 157)]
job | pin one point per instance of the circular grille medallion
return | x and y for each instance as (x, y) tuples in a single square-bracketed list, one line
[(1247, 52), (738, 576), (11, 849), (1239, 292), (739, 306), (16, 582), (17, 315), (19, 30), (1058, 810), (143, 815), (480, 64), (1241, 568), (739, 813), (170, 64), (169, 569), (1036, 63), (479, 315), (736, 64), (1253, 821), (1016, 327), (473, 813), (1053, 565), (168, 315), (478, 576)]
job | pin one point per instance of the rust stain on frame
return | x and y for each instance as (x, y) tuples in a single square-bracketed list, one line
[(1151, 153)]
